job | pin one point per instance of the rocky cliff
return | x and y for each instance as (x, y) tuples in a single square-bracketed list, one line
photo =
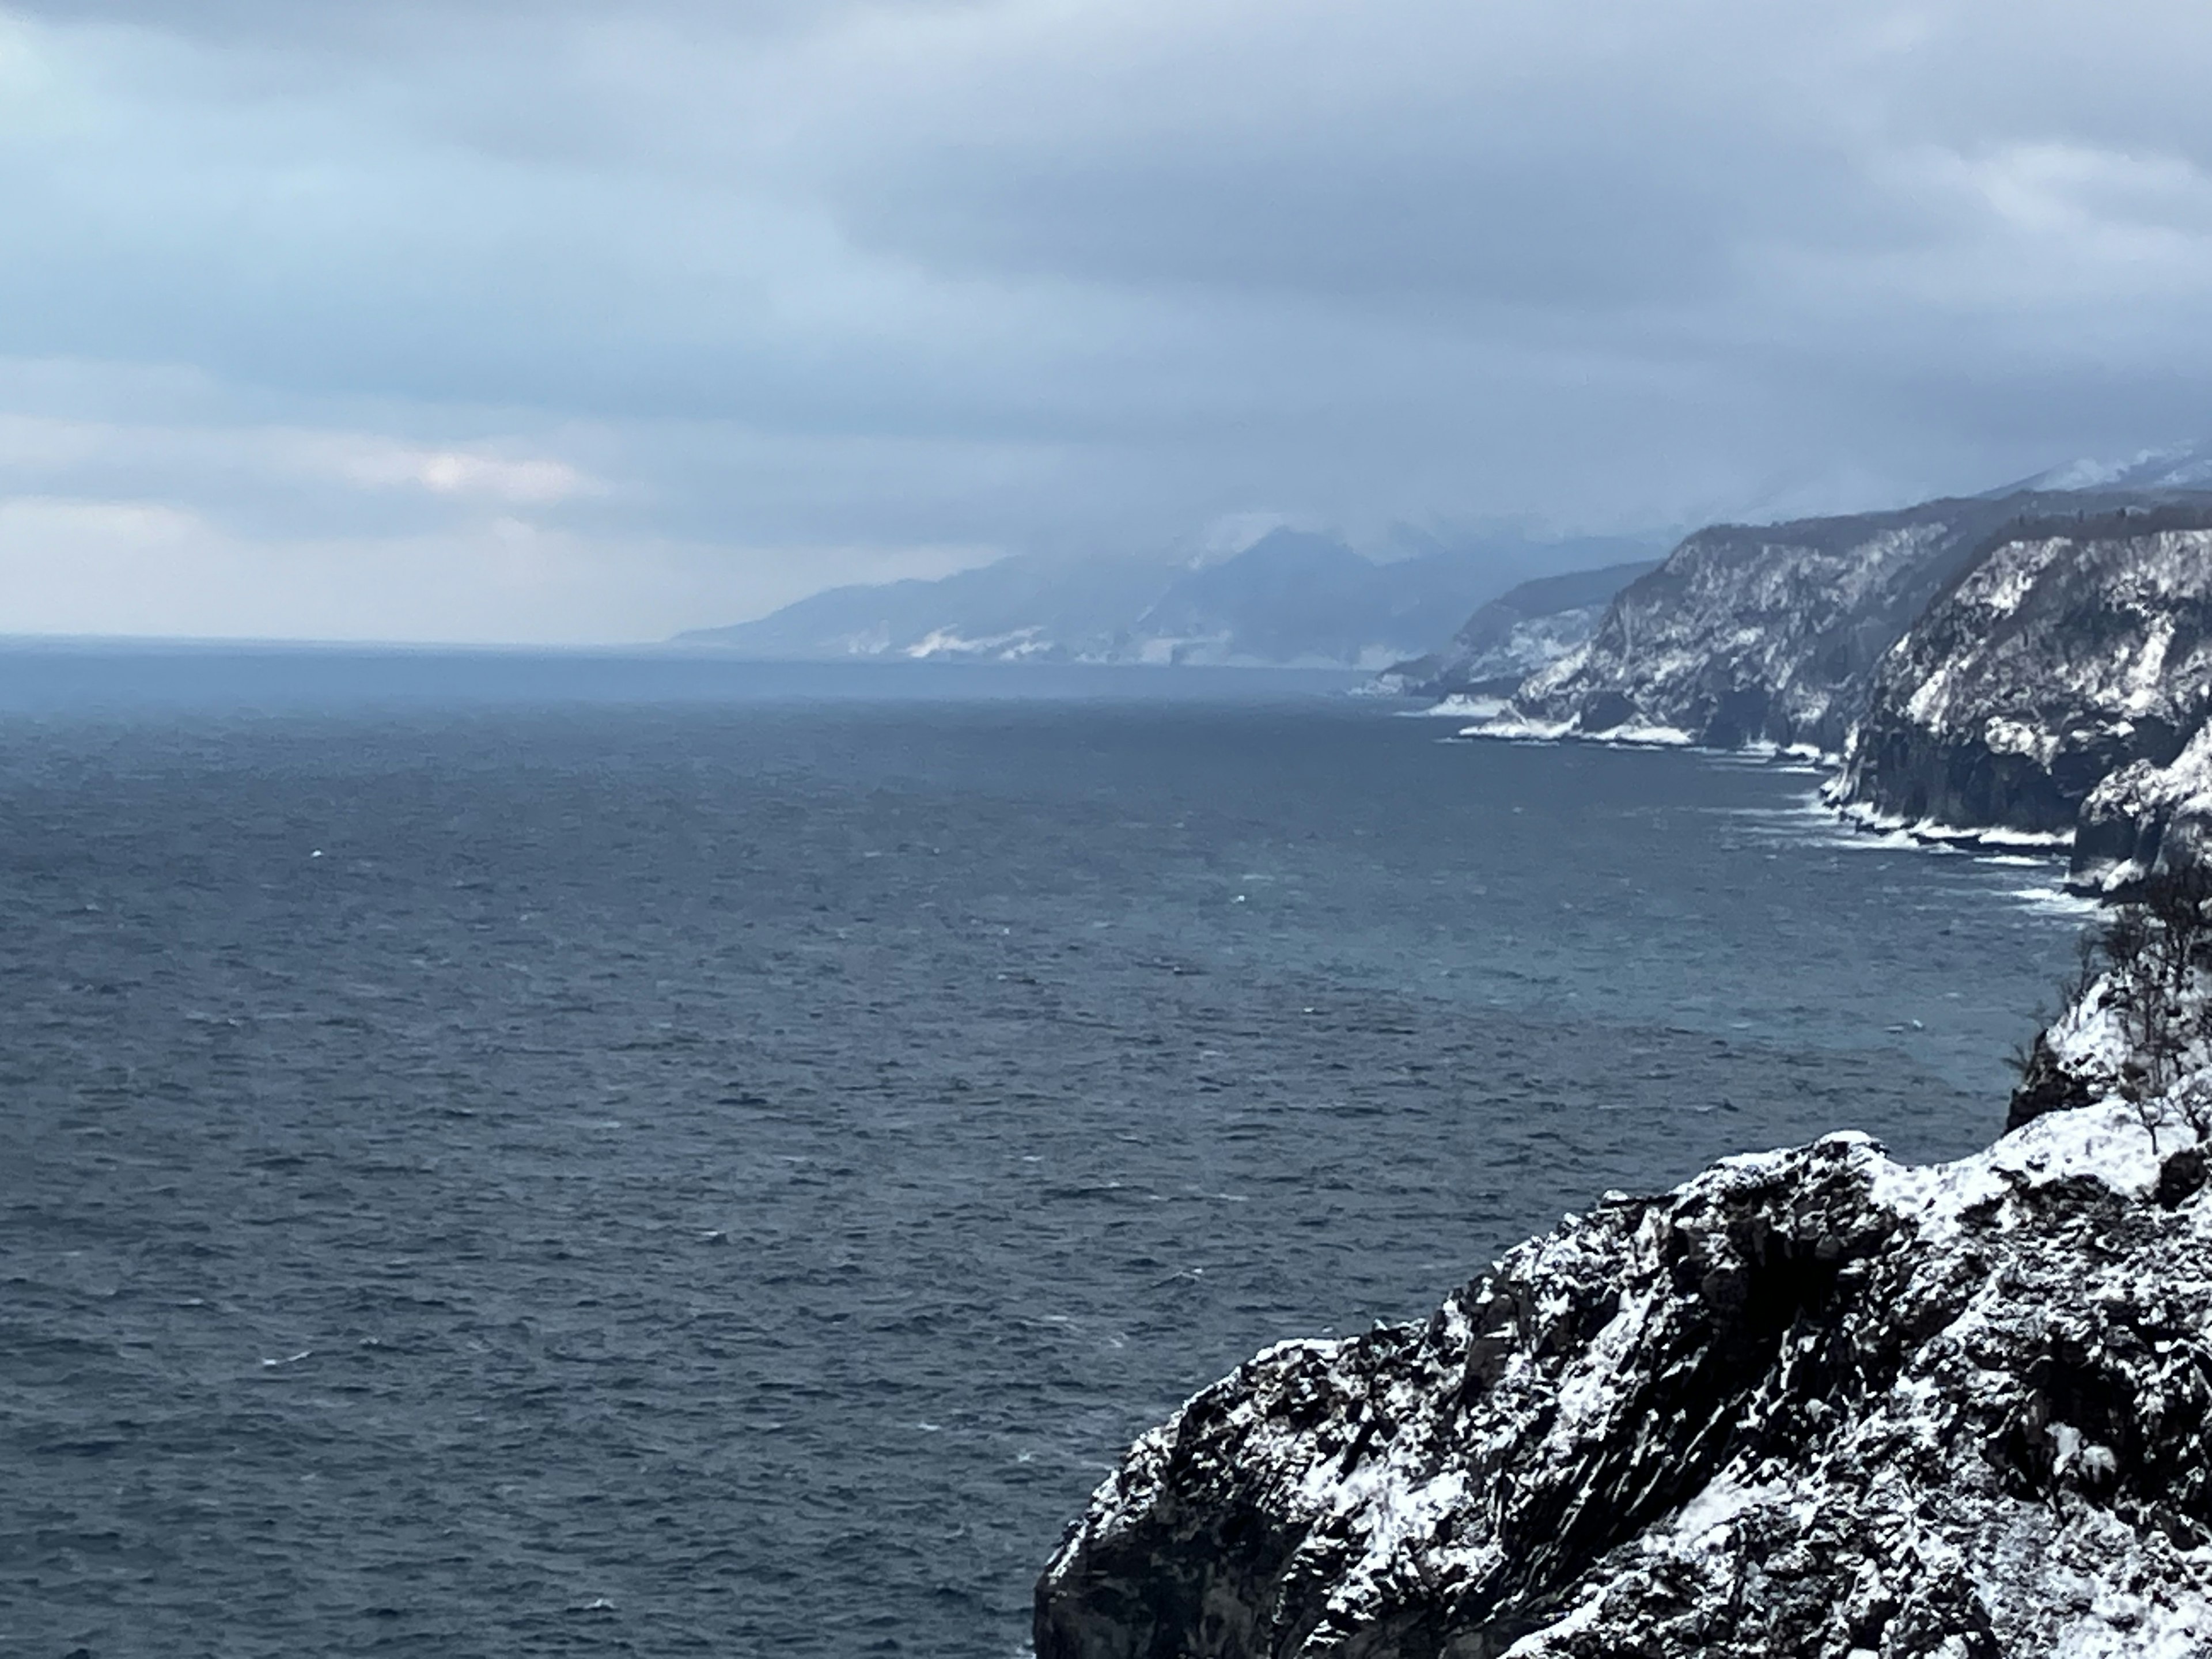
[(2036, 664), (1763, 633), (2068, 651), (1521, 631), (2146, 820), (1811, 1403)]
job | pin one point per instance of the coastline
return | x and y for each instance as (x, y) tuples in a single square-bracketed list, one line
[(1812, 1400), (1827, 764)]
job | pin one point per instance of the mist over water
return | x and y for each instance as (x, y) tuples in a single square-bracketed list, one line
[(493, 1169)]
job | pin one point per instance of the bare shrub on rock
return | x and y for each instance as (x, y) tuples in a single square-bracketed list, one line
[(2155, 954)]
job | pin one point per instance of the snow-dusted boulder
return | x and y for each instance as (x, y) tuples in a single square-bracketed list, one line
[(2068, 652), (1811, 1403)]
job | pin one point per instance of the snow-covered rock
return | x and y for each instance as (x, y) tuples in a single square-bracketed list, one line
[(2069, 651), (2080, 1058), (2146, 819), (1523, 629), (2138, 1026), (1811, 1403), (1752, 633)]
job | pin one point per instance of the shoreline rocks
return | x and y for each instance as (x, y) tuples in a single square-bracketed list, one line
[(1811, 1402)]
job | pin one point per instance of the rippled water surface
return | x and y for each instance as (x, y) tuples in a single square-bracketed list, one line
[(723, 1167)]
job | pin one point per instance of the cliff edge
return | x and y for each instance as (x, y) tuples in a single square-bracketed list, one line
[(2068, 651), (1812, 1403), (1762, 633)]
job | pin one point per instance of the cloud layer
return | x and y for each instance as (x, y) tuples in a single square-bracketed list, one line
[(556, 321)]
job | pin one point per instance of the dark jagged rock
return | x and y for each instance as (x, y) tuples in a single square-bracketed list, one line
[(2047, 1084), (2181, 1177), (1811, 1403)]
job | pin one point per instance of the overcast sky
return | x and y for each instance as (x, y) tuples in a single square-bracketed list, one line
[(494, 320)]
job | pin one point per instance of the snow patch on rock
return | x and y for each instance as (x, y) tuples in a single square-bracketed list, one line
[(2066, 655), (1812, 1402), (2145, 819), (1759, 633)]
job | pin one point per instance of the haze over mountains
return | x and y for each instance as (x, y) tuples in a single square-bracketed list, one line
[(1573, 626), (2035, 659), (1292, 599), (1521, 631), (2174, 466)]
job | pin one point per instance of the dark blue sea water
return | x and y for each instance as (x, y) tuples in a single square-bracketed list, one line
[(523, 1156)]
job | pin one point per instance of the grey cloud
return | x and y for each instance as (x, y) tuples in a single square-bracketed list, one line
[(1089, 276), (401, 28)]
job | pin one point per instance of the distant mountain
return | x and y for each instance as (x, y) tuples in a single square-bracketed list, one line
[(2177, 466), (1292, 599), (1017, 610), (1523, 629)]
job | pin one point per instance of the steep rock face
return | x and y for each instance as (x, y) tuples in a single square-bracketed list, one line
[(2065, 654), (2137, 1030), (2080, 1058), (1524, 629), (2146, 819), (1811, 1403), (1749, 632)]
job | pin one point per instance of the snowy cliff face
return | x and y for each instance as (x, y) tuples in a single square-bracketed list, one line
[(2146, 820), (2067, 653), (1761, 633), (1521, 631), (1811, 1403)]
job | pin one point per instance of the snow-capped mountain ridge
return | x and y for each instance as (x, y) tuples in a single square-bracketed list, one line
[(2030, 665), (1770, 632), (2172, 467), (1292, 598)]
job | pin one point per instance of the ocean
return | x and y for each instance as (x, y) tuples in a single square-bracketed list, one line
[(534, 1155)]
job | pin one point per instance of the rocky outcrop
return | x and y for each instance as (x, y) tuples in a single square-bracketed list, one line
[(1811, 1403), (2067, 651), (2034, 664), (1524, 629), (1763, 633), (2052, 1081), (2146, 820)]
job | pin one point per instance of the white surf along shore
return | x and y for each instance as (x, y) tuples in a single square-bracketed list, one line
[(1495, 720)]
